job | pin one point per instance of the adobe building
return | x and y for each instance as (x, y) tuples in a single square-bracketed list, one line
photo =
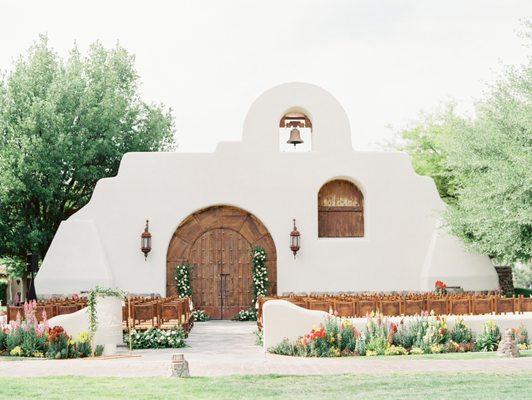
[(367, 221)]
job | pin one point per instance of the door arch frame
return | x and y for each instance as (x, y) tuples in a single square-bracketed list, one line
[(191, 228)]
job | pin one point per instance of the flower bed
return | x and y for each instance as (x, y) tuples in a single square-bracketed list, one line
[(28, 338), (156, 339), (425, 335)]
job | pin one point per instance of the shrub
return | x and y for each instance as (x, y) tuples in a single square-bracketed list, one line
[(246, 315), (3, 336), (17, 351), (259, 338), (404, 337), (520, 335), (58, 343), (395, 351), (98, 350), (436, 348), (83, 345), (490, 337), (33, 341), (377, 345), (360, 346), (347, 337), (418, 330), (285, 348), (14, 339), (200, 316), (156, 339), (461, 333), (416, 351)]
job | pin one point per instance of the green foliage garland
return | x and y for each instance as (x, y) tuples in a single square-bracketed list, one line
[(182, 276), (91, 304), (260, 283)]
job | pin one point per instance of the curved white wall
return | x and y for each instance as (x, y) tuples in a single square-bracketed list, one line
[(401, 210)]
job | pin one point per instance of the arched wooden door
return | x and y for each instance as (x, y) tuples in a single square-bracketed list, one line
[(217, 242)]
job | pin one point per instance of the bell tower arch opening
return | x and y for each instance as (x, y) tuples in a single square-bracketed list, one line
[(295, 133)]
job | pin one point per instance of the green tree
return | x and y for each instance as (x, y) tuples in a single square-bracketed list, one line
[(491, 158), (482, 167), (64, 124), (427, 142)]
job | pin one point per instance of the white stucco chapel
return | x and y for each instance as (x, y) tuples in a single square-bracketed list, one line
[(367, 221)]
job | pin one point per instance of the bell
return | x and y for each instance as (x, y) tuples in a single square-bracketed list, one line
[(295, 137)]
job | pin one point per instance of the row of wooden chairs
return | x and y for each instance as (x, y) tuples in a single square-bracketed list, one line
[(137, 312), (393, 305), (160, 313), (51, 310)]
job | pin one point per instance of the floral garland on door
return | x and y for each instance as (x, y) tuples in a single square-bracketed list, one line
[(260, 284), (183, 280), (183, 275), (260, 273)]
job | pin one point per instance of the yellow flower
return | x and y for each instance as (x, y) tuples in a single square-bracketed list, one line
[(16, 351), (83, 337)]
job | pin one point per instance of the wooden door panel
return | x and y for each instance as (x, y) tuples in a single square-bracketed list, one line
[(236, 263), (217, 241), (205, 272)]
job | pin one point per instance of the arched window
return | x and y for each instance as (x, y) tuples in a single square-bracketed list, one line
[(295, 133), (340, 210)]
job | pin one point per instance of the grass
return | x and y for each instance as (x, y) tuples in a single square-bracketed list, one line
[(474, 355), (396, 386)]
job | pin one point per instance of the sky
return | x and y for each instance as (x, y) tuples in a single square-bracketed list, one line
[(385, 61)]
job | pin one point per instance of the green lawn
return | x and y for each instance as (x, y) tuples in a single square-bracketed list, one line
[(397, 386)]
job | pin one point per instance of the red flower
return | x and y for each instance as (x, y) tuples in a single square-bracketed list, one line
[(55, 333), (440, 285)]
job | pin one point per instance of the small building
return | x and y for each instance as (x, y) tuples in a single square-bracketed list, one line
[(12, 290), (367, 221)]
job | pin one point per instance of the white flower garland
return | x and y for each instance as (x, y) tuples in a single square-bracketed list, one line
[(182, 278), (260, 273), (260, 284)]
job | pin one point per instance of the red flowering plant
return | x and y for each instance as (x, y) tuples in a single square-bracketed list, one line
[(58, 343), (440, 287)]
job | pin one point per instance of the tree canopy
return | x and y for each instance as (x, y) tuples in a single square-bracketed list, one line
[(64, 124), (482, 167)]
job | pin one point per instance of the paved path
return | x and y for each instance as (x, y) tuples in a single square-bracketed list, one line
[(227, 348)]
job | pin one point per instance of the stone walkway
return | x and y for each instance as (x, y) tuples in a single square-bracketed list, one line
[(227, 348)]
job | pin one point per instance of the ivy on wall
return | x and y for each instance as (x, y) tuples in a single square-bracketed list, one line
[(91, 304)]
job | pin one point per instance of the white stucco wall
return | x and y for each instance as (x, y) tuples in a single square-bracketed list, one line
[(402, 248), (109, 328)]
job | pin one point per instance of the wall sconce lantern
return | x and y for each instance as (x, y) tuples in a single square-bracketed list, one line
[(295, 237), (145, 241)]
